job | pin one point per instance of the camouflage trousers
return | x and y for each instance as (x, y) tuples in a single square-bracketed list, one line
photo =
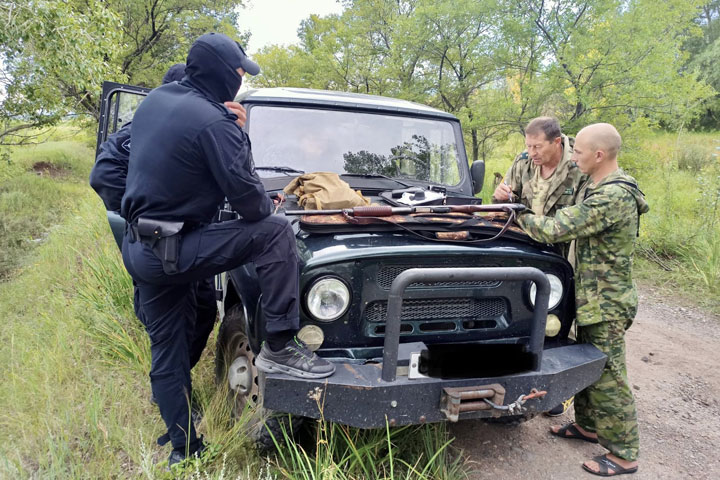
[(607, 407)]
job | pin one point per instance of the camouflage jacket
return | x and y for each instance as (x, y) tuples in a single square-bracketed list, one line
[(564, 184), (604, 224)]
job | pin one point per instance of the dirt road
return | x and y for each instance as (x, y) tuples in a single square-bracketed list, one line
[(673, 354)]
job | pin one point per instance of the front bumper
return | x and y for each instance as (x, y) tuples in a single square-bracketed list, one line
[(357, 395)]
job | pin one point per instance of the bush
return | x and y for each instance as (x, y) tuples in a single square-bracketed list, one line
[(693, 158)]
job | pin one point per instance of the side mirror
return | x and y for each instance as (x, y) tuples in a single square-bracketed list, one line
[(477, 173)]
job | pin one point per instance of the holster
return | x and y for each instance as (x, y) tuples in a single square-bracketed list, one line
[(162, 237)]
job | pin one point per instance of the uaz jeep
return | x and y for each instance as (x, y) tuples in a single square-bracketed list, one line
[(429, 314)]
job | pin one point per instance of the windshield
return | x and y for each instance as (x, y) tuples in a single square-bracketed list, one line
[(314, 140)]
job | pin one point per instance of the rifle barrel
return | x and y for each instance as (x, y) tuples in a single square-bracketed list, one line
[(386, 211)]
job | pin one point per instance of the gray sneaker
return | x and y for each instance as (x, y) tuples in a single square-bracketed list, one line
[(294, 359)]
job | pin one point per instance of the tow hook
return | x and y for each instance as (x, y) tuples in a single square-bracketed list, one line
[(516, 407)]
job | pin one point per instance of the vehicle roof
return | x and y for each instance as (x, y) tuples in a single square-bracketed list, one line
[(328, 98)]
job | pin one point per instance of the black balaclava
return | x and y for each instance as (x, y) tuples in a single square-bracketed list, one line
[(212, 65), (174, 73)]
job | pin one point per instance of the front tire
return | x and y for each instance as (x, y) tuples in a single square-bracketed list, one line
[(235, 367)]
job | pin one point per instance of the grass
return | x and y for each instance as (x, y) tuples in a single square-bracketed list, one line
[(74, 398), (339, 452), (32, 200)]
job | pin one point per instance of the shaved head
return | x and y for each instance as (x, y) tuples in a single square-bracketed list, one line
[(601, 136)]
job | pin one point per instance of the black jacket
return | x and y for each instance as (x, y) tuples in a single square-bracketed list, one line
[(187, 151), (108, 174)]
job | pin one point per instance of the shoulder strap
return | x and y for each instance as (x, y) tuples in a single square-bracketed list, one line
[(621, 182), (616, 182)]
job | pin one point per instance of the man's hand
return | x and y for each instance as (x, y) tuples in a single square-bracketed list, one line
[(503, 193), (277, 198), (238, 110)]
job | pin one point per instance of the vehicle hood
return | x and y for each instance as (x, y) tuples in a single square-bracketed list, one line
[(315, 250)]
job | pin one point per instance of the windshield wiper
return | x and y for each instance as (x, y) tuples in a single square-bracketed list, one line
[(375, 175), (285, 170)]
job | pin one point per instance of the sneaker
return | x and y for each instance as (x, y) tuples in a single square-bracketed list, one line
[(177, 457), (294, 359), (560, 409)]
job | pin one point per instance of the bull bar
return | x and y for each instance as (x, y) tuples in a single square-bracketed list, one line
[(372, 395)]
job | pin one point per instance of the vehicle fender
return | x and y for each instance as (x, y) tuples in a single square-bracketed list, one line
[(243, 286)]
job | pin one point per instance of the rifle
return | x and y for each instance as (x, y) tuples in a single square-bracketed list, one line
[(385, 211)]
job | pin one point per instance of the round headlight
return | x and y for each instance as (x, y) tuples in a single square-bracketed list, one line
[(328, 299), (556, 291)]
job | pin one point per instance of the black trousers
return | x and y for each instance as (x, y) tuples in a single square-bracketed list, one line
[(198, 331), (168, 303)]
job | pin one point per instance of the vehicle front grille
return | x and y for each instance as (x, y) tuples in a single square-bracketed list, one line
[(454, 309), (388, 273), (439, 315)]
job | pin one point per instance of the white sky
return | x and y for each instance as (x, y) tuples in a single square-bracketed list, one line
[(277, 21)]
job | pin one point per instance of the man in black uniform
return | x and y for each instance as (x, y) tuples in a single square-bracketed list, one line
[(108, 177), (187, 155)]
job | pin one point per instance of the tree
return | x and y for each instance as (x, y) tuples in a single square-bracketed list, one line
[(55, 54), (612, 60), (158, 33), (704, 51), (497, 64), (48, 49)]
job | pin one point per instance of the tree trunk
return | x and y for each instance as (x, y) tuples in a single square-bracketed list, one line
[(475, 146)]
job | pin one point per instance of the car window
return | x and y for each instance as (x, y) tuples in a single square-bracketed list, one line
[(118, 106), (337, 141), (122, 109)]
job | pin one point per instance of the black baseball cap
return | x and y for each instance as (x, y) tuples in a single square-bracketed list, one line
[(248, 65), (230, 51)]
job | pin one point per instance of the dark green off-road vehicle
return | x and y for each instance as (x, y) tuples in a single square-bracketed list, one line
[(429, 316)]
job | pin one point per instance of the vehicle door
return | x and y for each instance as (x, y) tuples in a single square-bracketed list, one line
[(118, 106)]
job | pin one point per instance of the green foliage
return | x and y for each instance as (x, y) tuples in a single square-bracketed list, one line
[(679, 234), (52, 57), (498, 64), (705, 259), (156, 35), (704, 54), (107, 289)]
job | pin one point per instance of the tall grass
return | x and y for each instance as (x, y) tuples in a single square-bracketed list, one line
[(34, 201), (106, 288), (339, 452)]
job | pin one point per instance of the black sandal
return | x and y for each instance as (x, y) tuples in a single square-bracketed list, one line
[(605, 465), (571, 431)]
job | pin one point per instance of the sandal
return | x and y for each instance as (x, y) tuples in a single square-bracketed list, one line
[(571, 431), (605, 465)]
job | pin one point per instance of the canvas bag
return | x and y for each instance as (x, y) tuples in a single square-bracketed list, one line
[(324, 191)]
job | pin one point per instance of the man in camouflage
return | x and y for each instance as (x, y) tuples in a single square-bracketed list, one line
[(545, 179), (604, 224)]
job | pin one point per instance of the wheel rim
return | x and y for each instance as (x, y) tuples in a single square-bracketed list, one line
[(242, 375)]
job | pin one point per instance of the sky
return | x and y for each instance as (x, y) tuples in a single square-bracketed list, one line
[(277, 21)]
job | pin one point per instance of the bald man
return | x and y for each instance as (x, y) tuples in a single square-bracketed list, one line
[(604, 224)]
